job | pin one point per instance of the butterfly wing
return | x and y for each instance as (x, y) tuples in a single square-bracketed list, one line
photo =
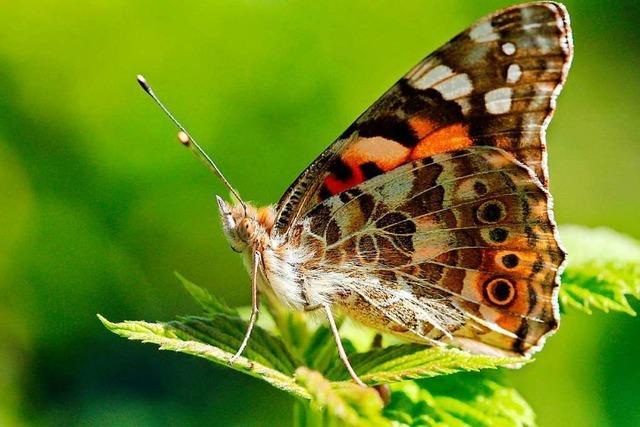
[(460, 246), (494, 84)]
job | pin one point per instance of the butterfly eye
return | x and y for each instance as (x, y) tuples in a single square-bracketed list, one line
[(500, 291), (245, 229)]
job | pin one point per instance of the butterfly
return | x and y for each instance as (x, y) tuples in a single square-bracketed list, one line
[(430, 217)]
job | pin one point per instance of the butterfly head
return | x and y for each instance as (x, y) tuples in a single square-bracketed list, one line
[(244, 226)]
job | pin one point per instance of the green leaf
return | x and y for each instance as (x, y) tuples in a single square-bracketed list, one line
[(464, 400), (217, 339), (321, 351), (293, 326), (601, 285), (603, 270), (412, 361), (210, 304), (346, 403)]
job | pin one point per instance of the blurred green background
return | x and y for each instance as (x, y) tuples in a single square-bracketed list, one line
[(99, 204)]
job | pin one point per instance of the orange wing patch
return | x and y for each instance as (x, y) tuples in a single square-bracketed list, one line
[(368, 157), (422, 126), (365, 158), (449, 138)]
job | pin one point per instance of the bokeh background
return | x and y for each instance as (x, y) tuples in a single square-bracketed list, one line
[(99, 204)]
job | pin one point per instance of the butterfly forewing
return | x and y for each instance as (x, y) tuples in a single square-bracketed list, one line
[(494, 84)]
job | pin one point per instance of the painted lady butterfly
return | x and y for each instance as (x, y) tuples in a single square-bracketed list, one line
[(430, 216)]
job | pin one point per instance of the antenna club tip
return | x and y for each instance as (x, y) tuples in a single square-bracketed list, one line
[(143, 83), (184, 138)]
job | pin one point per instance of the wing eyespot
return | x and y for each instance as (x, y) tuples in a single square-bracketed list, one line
[(498, 235), (499, 291), (491, 212), (480, 188), (510, 261)]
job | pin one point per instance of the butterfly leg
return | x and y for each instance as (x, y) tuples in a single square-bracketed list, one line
[(341, 352), (254, 307), (310, 308)]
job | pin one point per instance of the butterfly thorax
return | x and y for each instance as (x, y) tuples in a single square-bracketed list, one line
[(248, 230)]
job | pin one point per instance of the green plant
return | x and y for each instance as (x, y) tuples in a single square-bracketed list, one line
[(291, 354)]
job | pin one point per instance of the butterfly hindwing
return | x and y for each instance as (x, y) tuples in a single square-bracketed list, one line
[(494, 84), (458, 245)]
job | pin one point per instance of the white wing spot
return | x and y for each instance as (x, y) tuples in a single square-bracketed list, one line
[(483, 32), (434, 76), (455, 87), (545, 44), (509, 48), (514, 72), (498, 101), (464, 104)]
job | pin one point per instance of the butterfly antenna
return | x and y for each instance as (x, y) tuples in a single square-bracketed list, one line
[(187, 140)]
